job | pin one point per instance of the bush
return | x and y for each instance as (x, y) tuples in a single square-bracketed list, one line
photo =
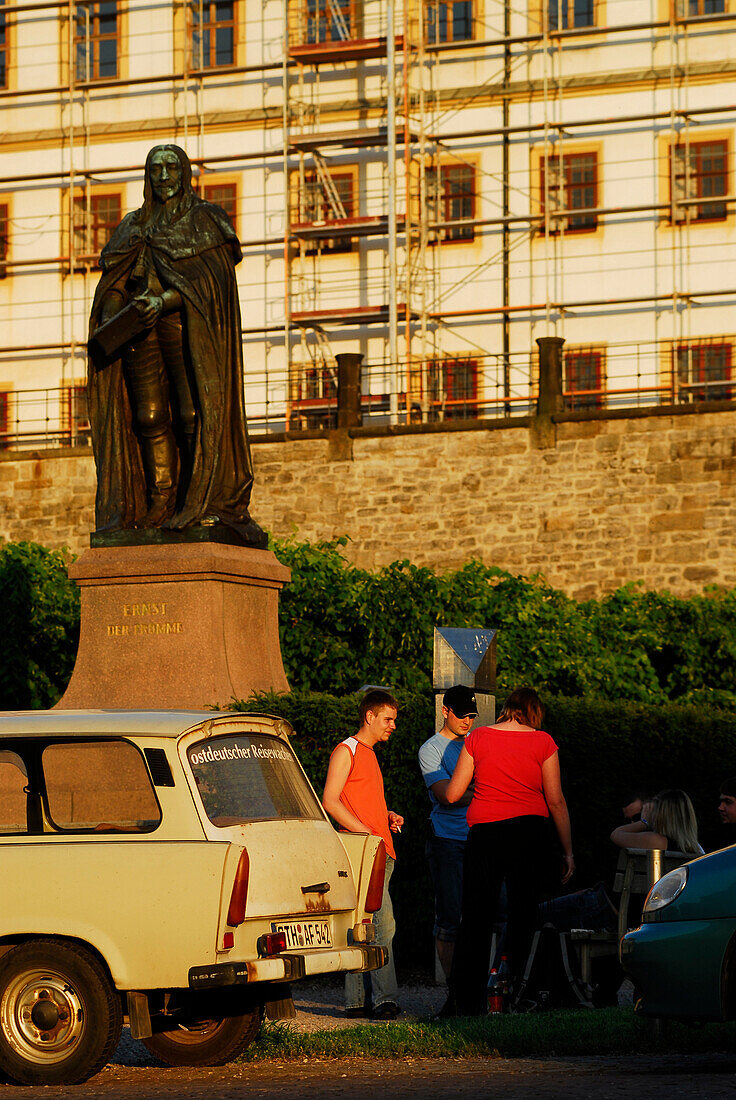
[(41, 613), (378, 628), (607, 752)]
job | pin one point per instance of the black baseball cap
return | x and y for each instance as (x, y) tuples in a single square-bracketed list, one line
[(460, 700)]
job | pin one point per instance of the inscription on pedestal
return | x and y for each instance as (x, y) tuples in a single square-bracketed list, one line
[(154, 621)]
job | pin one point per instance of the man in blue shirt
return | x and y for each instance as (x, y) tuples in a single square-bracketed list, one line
[(449, 828)]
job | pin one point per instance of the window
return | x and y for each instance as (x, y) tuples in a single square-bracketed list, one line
[(316, 398), (212, 28), (583, 378), (74, 412), (690, 9), (328, 197), (699, 170), (572, 184), (224, 195), (95, 217), (5, 399), (329, 20), (3, 47), (453, 389), (13, 797), (449, 21), (451, 198), (700, 370), (250, 777), (99, 785), (4, 231), (565, 15), (96, 40)]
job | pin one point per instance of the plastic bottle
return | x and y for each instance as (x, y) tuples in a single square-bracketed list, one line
[(495, 993), (504, 979)]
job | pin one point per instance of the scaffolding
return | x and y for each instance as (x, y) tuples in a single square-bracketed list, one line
[(370, 256)]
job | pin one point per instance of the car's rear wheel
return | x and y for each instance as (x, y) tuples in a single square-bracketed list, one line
[(60, 1017), (206, 1042)]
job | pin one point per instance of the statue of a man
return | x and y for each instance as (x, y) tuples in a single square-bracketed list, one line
[(166, 366)]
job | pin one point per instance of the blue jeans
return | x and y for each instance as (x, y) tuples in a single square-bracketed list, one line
[(445, 858), (378, 985)]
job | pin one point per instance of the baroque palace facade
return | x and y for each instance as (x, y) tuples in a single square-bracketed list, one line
[(434, 186)]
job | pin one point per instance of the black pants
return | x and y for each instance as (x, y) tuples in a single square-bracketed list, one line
[(518, 851)]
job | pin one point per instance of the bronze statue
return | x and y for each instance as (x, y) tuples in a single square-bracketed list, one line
[(166, 365)]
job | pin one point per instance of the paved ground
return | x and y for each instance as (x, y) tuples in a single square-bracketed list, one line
[(698, 1077), (133, 1074)]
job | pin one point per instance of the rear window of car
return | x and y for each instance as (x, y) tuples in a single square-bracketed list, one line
[(102, 786), (250, 777)]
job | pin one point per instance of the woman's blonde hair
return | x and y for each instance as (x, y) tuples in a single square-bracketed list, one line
[(674, 817), (523, 706)]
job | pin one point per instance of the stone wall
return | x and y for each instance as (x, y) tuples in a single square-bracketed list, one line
[(589, 501)]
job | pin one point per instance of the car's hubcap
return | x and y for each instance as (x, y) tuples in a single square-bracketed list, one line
[(42, 1016)]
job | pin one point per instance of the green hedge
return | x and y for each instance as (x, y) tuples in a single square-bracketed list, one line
[(342, 627), (41, 625), (607, 751), (378, 627)]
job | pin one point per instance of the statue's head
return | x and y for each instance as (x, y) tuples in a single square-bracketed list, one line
[(168, 175)]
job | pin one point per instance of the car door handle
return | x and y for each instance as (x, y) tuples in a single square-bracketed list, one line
[(317, 888)]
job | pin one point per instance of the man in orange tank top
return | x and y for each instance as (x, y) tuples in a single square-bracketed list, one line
[(354, 798)]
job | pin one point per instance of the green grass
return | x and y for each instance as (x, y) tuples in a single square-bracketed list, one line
[(571, 1032)]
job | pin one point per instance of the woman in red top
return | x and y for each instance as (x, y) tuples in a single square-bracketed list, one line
[(516, 774)]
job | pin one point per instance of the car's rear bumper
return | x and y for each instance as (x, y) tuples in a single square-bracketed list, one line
[(289, 967)]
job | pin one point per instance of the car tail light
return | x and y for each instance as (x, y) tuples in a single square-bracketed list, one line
[(272, 943), (239, 896), (374, 896)]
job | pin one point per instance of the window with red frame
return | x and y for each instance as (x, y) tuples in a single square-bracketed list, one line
[(96, 40), (316, 403), (3, 47), (224, 195), (4, 417), (317, 207), (75, 414), (700, 171), (4, 237), (583, 379), (453, 388), (95, 217), (701, 371), (451, 198), (212, 33), (330, 20), (570, 183)]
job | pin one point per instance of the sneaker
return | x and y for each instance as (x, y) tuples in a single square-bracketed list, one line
[(389, 1010), (358, 1012)]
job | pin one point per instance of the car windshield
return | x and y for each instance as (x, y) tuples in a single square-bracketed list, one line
[(250, 777)]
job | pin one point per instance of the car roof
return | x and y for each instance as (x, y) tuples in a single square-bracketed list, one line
[(159, 723)]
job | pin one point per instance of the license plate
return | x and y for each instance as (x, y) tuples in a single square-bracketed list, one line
[(304, 933)]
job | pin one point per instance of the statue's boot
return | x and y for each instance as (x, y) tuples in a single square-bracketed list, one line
[(160, 464)]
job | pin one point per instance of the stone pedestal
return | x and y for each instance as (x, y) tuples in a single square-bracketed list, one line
[(176, 626)]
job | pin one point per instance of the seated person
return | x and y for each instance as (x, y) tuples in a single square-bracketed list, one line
[(668, 822), (727, 801)]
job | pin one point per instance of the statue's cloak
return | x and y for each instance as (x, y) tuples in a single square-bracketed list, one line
[(195, 254)]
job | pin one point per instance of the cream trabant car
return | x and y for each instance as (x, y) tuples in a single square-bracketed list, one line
[(173, 867)]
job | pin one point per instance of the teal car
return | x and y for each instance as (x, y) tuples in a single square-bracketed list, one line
[(682, 958)]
